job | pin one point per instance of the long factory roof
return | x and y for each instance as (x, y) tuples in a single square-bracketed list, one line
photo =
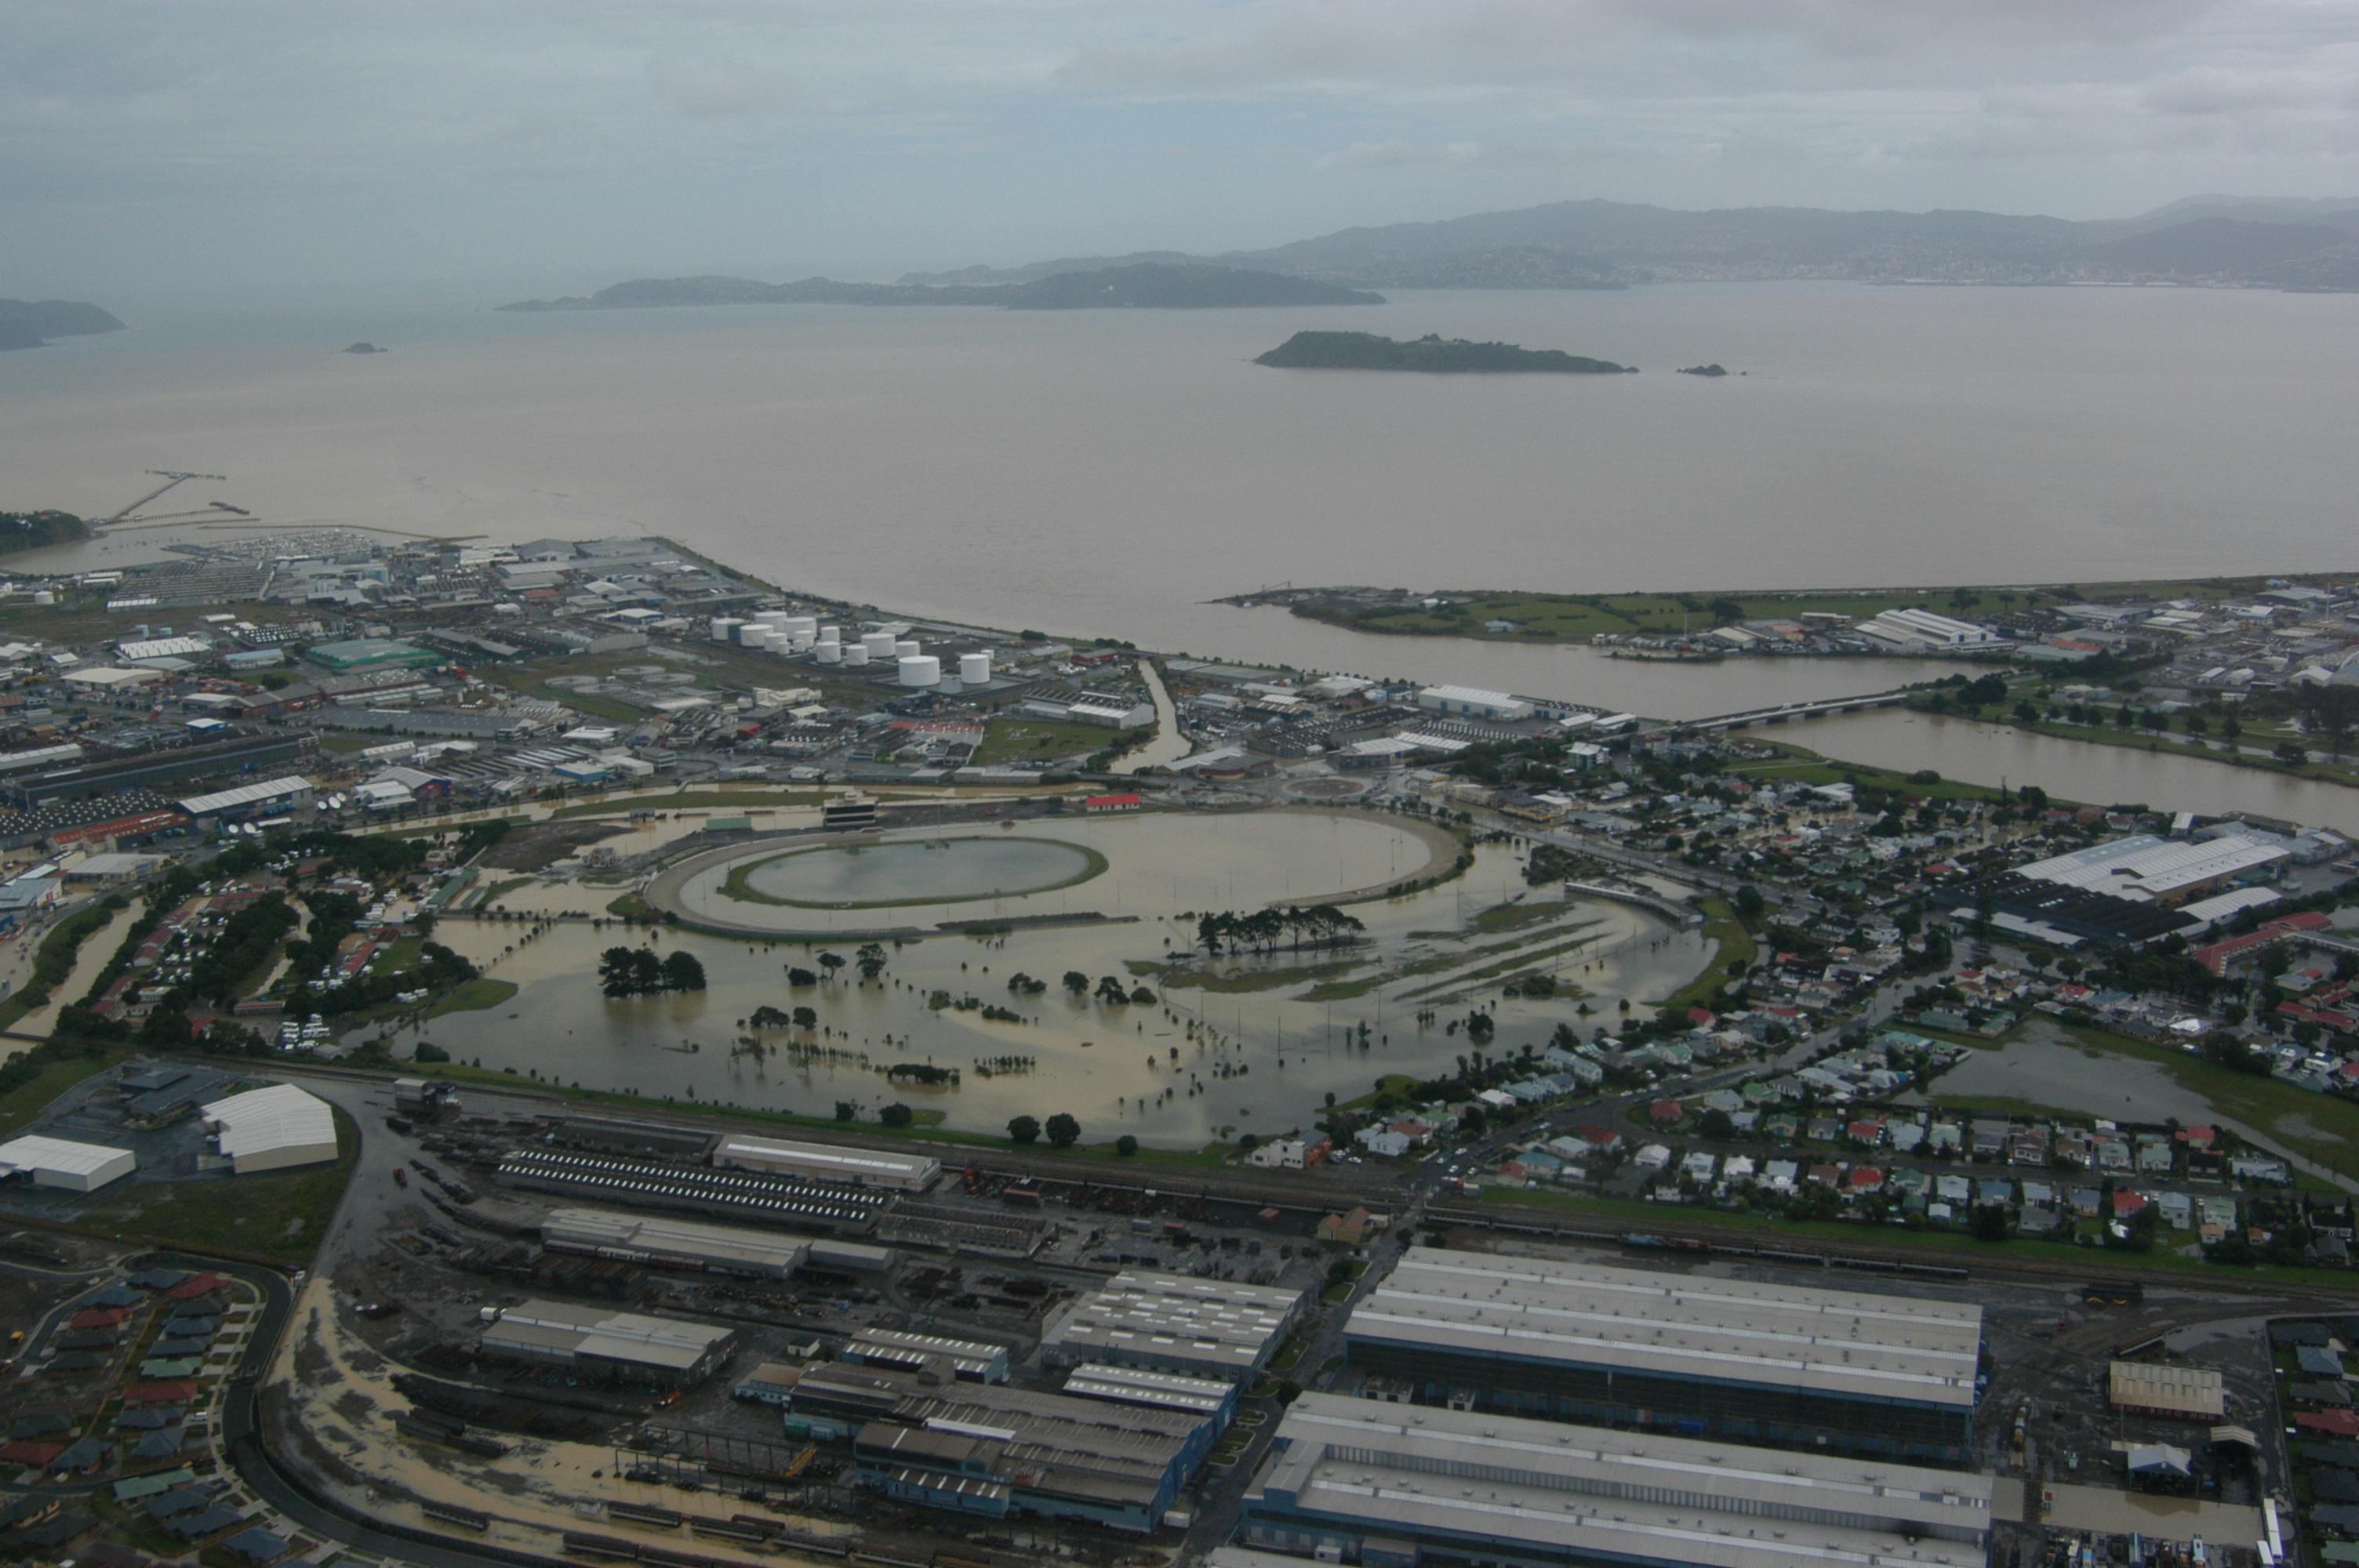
[(1212, 1320), (729, 1246), (1837, 1343), (631, 1337), (1137, 1386), (844, 1162), (1541, 1486), (2143, 866), (60, 1156)]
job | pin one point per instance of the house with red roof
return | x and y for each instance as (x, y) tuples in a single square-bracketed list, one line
[(1666, 1113), (1867, 1179), (197, 1286)]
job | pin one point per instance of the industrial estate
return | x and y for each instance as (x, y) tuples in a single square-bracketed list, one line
[(566, 1052)]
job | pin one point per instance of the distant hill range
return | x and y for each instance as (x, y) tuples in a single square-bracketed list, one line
[(2217, 241), (29, 323), (1130, 285)]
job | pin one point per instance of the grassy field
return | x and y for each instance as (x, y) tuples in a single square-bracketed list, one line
[(723, 800), (1045, 739), (2177, 742), (1797, 765), (280, 1217), (1736, 946), (1566, 617), (1962, 1248), (20, 1106), (473, 996)]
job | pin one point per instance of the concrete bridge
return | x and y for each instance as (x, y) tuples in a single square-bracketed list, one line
[(1821, 708)]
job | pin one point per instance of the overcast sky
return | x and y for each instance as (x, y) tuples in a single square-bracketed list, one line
[(160, 150)]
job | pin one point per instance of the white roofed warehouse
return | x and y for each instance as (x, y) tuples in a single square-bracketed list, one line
[(249, 800), (56, 1162), (669, 1243), (1472, 702), (1174, 1323), (893, 1170), (1808, 1368), (1390, 1485), (627, 1347), (272, 1129)]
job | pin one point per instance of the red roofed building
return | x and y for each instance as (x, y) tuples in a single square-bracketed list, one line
[(1867, 1179), (1665, 1113), (1111, 802), (197, 1285), (98, 1317), (1702, 1017), (2127, 1204), (25, 1450), (2334, 1423), (2218, 956), (179, 1392)]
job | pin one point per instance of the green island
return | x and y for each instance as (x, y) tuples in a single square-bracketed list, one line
[(1431, 353)]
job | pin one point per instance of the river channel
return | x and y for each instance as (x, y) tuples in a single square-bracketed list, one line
[(2165, 778)]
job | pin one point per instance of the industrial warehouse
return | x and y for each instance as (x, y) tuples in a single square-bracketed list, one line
[(927, 1437), (626, 1346), (59, 1162), (1171, 1323), (1389, 1486), (272, 1129), (673, 1243), (649, 1183), (1752, 1362), (830, 1163)]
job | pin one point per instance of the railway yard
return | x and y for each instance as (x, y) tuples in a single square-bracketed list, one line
[(427, 1381)]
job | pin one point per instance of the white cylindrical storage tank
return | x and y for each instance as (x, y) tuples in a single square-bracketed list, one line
[(44, 596), (974, 669), (724, 628), (856, 653), (803, 626), (907, 648), (799, 645), (830, 653), (879, 645), (772, 618), (755, 637), (921, 670), (830, 633)]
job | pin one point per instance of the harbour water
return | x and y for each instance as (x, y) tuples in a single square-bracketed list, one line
[(1107, 472)]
